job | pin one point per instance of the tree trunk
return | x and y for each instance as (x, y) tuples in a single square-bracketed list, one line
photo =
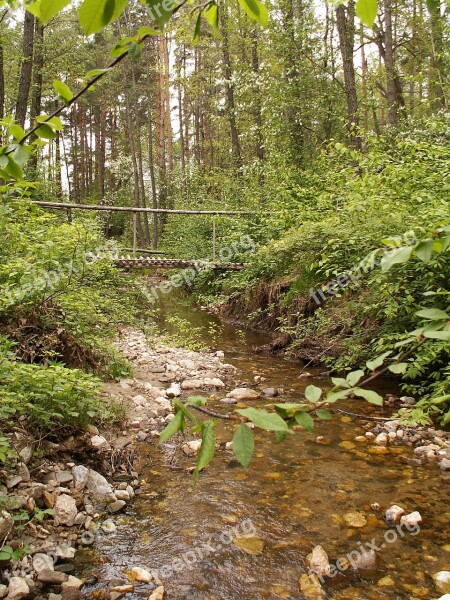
[(391, 89), (36, 91), (345, 21), (26, 69)]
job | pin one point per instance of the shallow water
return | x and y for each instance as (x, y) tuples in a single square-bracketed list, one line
[(293, 496)]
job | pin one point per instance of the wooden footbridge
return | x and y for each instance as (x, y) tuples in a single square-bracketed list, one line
[(133, 260)]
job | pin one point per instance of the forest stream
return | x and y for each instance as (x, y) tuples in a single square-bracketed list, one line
[(245, 534)]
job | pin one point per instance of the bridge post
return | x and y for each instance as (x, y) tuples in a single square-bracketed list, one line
[(214, 239), (135, 217)]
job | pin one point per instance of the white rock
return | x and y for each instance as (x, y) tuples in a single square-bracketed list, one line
[(3, 590), (192, 447), (318, 561), (66, 509), (122, 495), (220, 354), (139, 574), (140, 400), (72, 583), (411, 520), (394, 514), (442, 582), (381, 439), (42, 562), (17, 589), (108, 526), (98, 442), (80, 476), (198, 384), (243, 394), (98, 489), (174, 391)]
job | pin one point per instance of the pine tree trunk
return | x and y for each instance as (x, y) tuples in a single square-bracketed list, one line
[(26, 69)]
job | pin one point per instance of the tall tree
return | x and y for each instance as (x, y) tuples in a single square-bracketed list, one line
[(26, 68)]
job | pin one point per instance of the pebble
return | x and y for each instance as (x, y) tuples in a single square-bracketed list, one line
[(139, 574), (393, 515), (116, 506), (355, 519), (411, 520), (18, 588)]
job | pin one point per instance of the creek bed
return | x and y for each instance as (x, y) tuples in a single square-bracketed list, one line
[(294, 496)]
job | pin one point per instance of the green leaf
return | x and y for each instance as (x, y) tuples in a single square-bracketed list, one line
[(354, 377), (323, 414), (63, 90), (335, 396), (208, 447), (135, 51), (424, 250), (438, 335), (446, 419), (44, 10), (55, 123), (369, 395), (433, 6), (95, 15), (340, 382), (196, 401), (432, 314), (197, 30), (13, 169), (179, 406), (305, 420), (96, 73), (172, 428), (212, 15), (145, 31), (158, 12), (243, 444), (398, 368), (21, 155), (256, 10), (394, 257), (366, 11), (46, 132), (313, 393), (17, 132), (3, 161), (263, 419), (372, 365)]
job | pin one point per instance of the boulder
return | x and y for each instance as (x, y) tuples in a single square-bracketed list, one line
[(244, 394), (6, 525), (318, 561), (98, 488), (393, 515), (66, 510), (17, 589)]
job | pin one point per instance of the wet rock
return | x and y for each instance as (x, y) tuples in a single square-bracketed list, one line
[(6, 525), (318, 561), (393, 515), (52, 577), (139, 574), (311, 588), (18, 588), (270, 392), (109, 527), (386, 582), (158, 594), (355, 519), (442, 582), (365, 561), (444, 464), (66, 509), (191, 448), (116, 506), (250, 545), (42, 562), (411, 520), (243, 394)]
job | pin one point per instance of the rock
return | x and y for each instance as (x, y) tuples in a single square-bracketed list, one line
[(6, 525), (23, 472), (311, 588), (116, 506), (42, 562), (243, 394), (140, 400), (98, 489), (250, 545), (3, 590), (355, 519), (72, 582), (270, 392), (381, 439), (17, 589), (123, 589), (63, 477), (393, 515), (446, 597), (318, 561), (80, 476), (52, 577), (98, 442), (66, 510), (139, 574), (191, 448), (14, 481), (174, 390), (442, 582), (411, 520), (444, 464), (122, 495), (365, 561), (228, 401), (26, 454), (386, 582), (198, 384), (158, 594), (108, 526)]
